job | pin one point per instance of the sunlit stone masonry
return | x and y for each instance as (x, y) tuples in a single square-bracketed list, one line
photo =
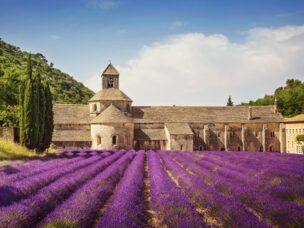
[(109, 121)]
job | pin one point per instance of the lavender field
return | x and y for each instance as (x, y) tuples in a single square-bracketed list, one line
[(98, 188)]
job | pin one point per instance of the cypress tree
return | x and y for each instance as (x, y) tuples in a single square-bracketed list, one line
[(229, 102), (26, 108), (36, 111), (28, 76), (29, 138), (49, 117), (40, 110), (21, 113), (29, 117)]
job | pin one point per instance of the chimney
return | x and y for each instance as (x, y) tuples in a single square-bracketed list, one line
[(275, 107), (250, 113)]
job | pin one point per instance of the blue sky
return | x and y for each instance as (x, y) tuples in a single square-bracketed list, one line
[(80, 36)]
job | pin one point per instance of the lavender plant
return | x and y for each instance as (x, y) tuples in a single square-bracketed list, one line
[(82, 207), (280, 213), (127, 206), (170, 204), (227, 211), (40, 204), (21, 189)]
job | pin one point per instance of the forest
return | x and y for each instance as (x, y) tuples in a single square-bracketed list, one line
[(290, 98), (13, 61)]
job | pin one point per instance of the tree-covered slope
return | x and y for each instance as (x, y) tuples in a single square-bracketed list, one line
[(290, 98), (64, 88)]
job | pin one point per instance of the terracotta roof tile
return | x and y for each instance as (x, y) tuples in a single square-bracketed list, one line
[(110, 70), (298, 118), (110, 94), (71, 114), (203, 114), (71, 136), (178, 129), (111, 115), (149, 134)]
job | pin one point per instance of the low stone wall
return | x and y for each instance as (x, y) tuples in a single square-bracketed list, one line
[(70, 145), (10, 134)]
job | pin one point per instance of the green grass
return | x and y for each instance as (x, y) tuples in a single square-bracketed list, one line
[(13, 151)]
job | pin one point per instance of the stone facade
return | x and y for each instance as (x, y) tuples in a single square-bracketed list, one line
[(294, 127), (10, 134), (110, 121)]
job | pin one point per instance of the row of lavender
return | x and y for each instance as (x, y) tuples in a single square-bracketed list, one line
[(187, 189)]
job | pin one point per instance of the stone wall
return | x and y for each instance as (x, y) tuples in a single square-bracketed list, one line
[(238, 137), (124, 133), (10, 134), (150, 145), (72, 127), (70, 145), (181, 142)]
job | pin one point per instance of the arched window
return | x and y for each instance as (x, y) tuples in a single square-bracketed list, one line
[(94, 107), (114, 140), (270, 149), (110, 83), (239, 148), (98, 140), (181, 147), (200, 148), (128, 108)]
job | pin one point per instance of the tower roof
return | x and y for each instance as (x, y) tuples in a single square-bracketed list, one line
[(111, 115), (110, 94), (110, 70)]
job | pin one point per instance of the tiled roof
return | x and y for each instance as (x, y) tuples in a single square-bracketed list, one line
[(111, 115), (71, 136), (110, 70), (298, 118), (204, 114), (149, 134), (178, 129), (79, 114), (110, 94), (71, 114)]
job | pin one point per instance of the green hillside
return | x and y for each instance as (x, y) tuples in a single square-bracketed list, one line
[(64, 88), (290, 98)]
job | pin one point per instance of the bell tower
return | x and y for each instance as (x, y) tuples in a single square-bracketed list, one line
[(110, 78)]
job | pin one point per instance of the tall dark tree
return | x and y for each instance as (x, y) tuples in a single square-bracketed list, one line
[(36, 111), (21, 111), (229, 102), (40, 109), (29, 125), (49, 117)]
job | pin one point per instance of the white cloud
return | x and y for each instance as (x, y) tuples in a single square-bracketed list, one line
[(195, 69), (175, 25), (94, 82), (55, 37)]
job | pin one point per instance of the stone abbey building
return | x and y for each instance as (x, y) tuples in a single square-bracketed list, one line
[(109, 121)]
